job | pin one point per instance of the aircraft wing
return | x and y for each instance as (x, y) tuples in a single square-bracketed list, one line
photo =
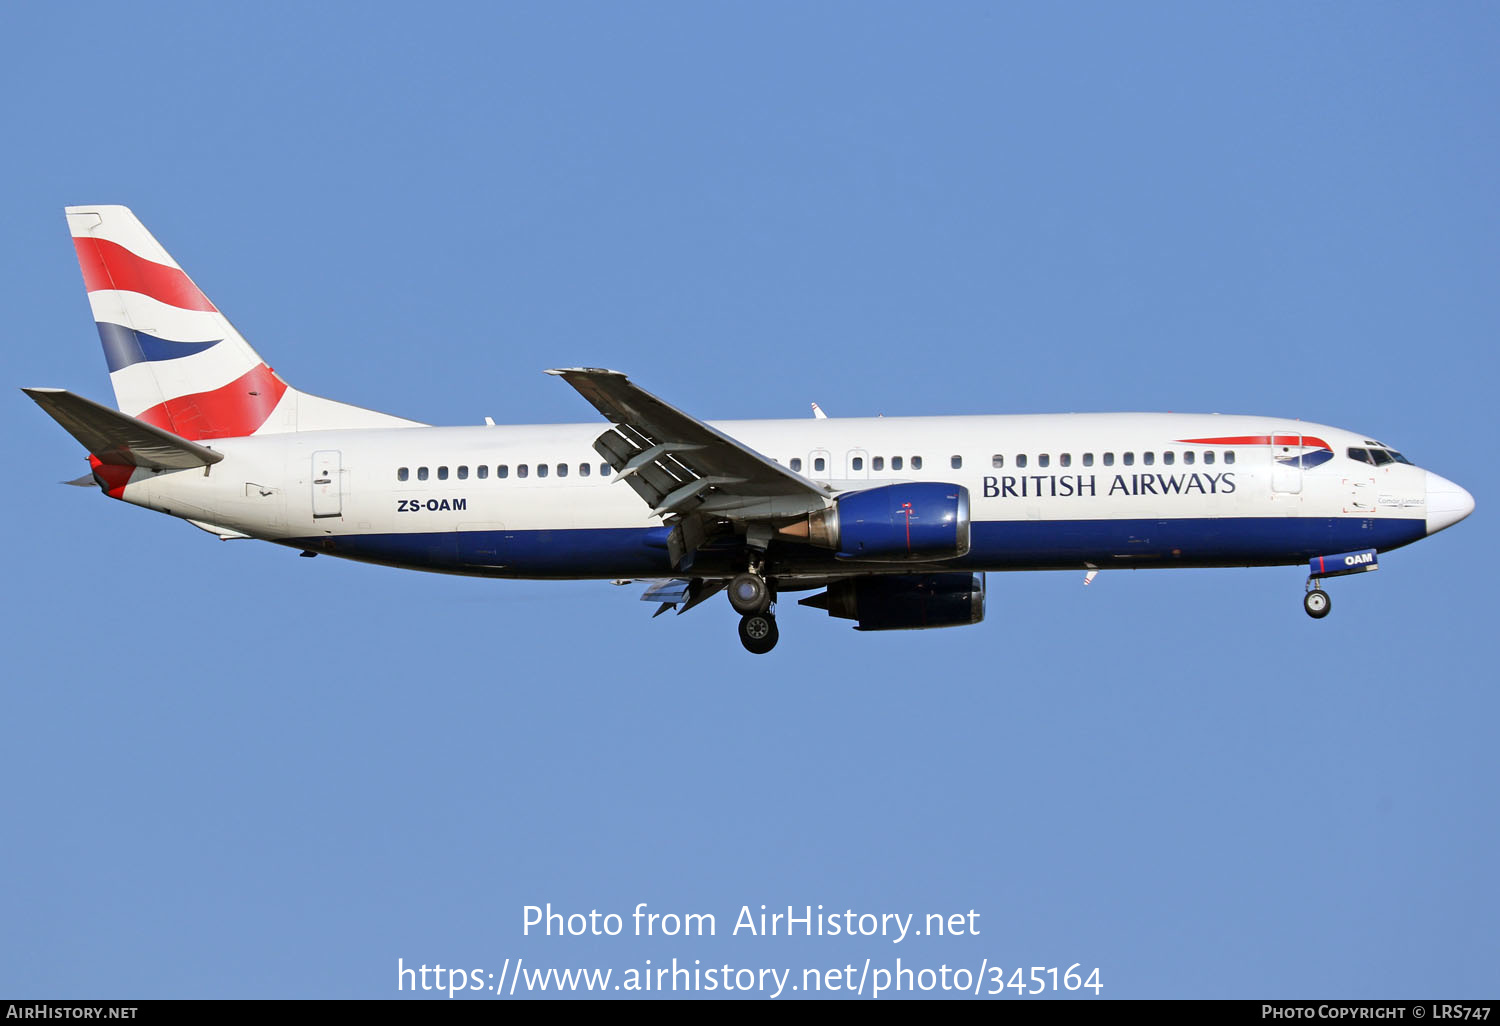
[(681, 466)]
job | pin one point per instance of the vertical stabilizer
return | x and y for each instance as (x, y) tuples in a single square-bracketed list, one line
[(174, 360)]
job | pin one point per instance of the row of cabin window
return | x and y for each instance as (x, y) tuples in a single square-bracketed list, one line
[(501, 471), (1148, 459), (820, 464), (857, 463)]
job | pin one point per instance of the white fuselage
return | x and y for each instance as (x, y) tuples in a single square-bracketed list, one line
[(1047, 491)]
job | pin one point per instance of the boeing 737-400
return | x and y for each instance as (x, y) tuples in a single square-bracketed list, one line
[(891, 522)]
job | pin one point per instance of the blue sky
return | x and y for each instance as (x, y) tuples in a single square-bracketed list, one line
[(232, 772)]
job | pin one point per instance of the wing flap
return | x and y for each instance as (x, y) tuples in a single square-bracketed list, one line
[(117, 438), (679, 465), (681, 594)]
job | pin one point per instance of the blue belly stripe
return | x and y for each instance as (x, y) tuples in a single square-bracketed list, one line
[(995, 545)]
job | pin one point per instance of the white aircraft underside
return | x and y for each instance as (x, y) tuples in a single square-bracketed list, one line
[(898, 518)]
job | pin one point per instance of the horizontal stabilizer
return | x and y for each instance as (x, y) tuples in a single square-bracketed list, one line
[(118, 438)]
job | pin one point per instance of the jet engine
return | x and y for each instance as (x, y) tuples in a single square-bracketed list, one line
[(905, 602), (916, 521)]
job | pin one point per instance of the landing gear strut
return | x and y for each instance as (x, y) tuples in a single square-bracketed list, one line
[(1316, 601), (758, 632)]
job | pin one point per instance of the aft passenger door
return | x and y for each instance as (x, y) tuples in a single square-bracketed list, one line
[(1286, 462), (327, 486)]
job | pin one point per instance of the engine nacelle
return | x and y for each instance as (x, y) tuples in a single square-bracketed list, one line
[(893, 523), (905, 602)]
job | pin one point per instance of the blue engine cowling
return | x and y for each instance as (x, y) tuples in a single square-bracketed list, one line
[(898, 522), (906, 602)]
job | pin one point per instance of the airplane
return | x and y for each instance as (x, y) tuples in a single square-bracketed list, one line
[(892, 522)]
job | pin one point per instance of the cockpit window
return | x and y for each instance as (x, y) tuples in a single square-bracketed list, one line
[(1377, 455)]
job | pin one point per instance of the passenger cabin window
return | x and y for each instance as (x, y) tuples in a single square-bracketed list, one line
[(997, 461), (1228, 455), (482, 472), (878, 463), (1065, 460), (957, 462), (1088, 459), (1208, 457), (1043, 460), (502, 471), (403, 474), (819, 465), (916, 463), (797, 465), (583, 469), (463, 473), (1109, 459), (421, 473), (442, 473), (522, 470), (604, 469), (562, 470), (1188, 457), (541, 470), (1130, 459), (858, 463), (1169, 457), (1148, 458), (895, 462), (1021, 460)]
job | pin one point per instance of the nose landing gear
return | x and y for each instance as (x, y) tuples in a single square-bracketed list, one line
[(1316, 601)]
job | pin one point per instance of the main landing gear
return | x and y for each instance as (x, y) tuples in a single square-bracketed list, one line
[(758, 632), (752, 598), (749, 593)]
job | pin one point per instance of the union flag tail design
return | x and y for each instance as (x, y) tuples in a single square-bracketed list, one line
[(174, 360)]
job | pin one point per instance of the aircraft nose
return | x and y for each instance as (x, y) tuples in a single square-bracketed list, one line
[(1447, 503)]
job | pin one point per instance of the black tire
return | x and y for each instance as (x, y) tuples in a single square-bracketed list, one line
[(1317, 603), (748, 593), (758, 633)]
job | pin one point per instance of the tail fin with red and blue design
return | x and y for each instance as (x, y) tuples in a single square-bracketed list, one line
[(174, 360)]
